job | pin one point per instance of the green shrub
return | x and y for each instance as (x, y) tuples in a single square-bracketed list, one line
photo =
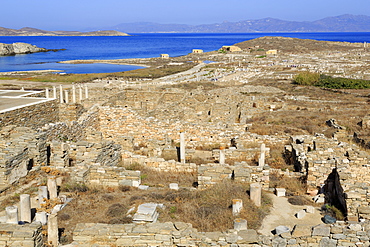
[(325, 81), (307, 78)]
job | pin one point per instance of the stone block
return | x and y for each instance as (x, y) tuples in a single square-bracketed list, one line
[(363, 210), (174, 186), (327, 242), (281, 229), (301, 230), (310, 209), (240, 224), (321, 230), (248, 236), (301, 214), (280, 192)]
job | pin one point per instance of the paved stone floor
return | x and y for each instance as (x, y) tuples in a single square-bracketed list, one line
[(14, 99)]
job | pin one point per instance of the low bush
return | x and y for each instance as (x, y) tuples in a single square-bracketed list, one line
[(325, 81)]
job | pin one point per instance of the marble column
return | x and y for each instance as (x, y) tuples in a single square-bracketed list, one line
[(52, 188), (25, 208), (222, 156), (237, 206), (11, 215), (182, 146), (255, 193), (61, 93)]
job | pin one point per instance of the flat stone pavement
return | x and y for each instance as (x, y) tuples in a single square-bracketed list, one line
[(13, 99), (283, 214)]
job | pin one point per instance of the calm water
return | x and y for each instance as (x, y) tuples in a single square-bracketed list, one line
[(135, 46)]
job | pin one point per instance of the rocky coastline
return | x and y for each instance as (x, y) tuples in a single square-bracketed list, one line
[(21, 48)]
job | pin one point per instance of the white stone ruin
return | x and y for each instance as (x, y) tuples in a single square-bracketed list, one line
[(61, 94), (310, 209), (41, 217), (182, 147), (222, 156), (261, 160), (281, 229), (52, 188), (147, 212), (42, 194), (25, 208), (12, 214), (174, 186), (280, 192), (240, 224), (256, 193), (301, 214), (237, 206)]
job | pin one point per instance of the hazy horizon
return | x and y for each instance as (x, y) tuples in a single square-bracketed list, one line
[(84, 15)]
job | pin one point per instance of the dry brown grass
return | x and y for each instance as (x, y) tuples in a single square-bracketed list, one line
[(207, 210), (293, 186)]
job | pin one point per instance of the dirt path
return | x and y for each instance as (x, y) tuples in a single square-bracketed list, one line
[(283, 214)]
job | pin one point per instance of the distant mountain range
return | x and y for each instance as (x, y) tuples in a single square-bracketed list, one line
[(28, 31), (342, 23)]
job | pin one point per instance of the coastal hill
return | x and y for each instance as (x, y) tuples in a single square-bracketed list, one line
[(342, 23), (28, 31), (297, 46)]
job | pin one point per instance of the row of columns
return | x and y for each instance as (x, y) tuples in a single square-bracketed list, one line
[(64, 94), (44, 192), (183, 153)]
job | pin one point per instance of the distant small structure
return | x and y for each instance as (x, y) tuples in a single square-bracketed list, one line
[(271, 52), (231, 48), (165, 56), (197, 51)]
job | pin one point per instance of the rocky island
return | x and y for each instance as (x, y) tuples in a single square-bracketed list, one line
[(29, 31), (21, 48)]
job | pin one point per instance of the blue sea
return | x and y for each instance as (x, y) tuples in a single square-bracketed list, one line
[(134, 46)]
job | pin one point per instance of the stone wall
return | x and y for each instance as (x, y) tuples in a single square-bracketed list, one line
[(70, 112), (157, 164), (210, 174), (22, 149), (34, 116), (112, 176), (183, 234), (127, 127), (316, 156), (29, 235), (73, 130)]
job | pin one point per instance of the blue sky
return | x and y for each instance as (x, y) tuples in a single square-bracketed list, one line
[(85, 14)]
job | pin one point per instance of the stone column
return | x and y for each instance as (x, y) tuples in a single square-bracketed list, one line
[(73, 94), (41, 217), (255, 193), (80, 93), (86, 92), (261, 160), (11, 215), (47, 93), (66, 96), (43, 193), (222, 156), (25, 205), (61, 93), (54, 92), (237, 206), (182, 146), (53, 230), (52, 188)]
